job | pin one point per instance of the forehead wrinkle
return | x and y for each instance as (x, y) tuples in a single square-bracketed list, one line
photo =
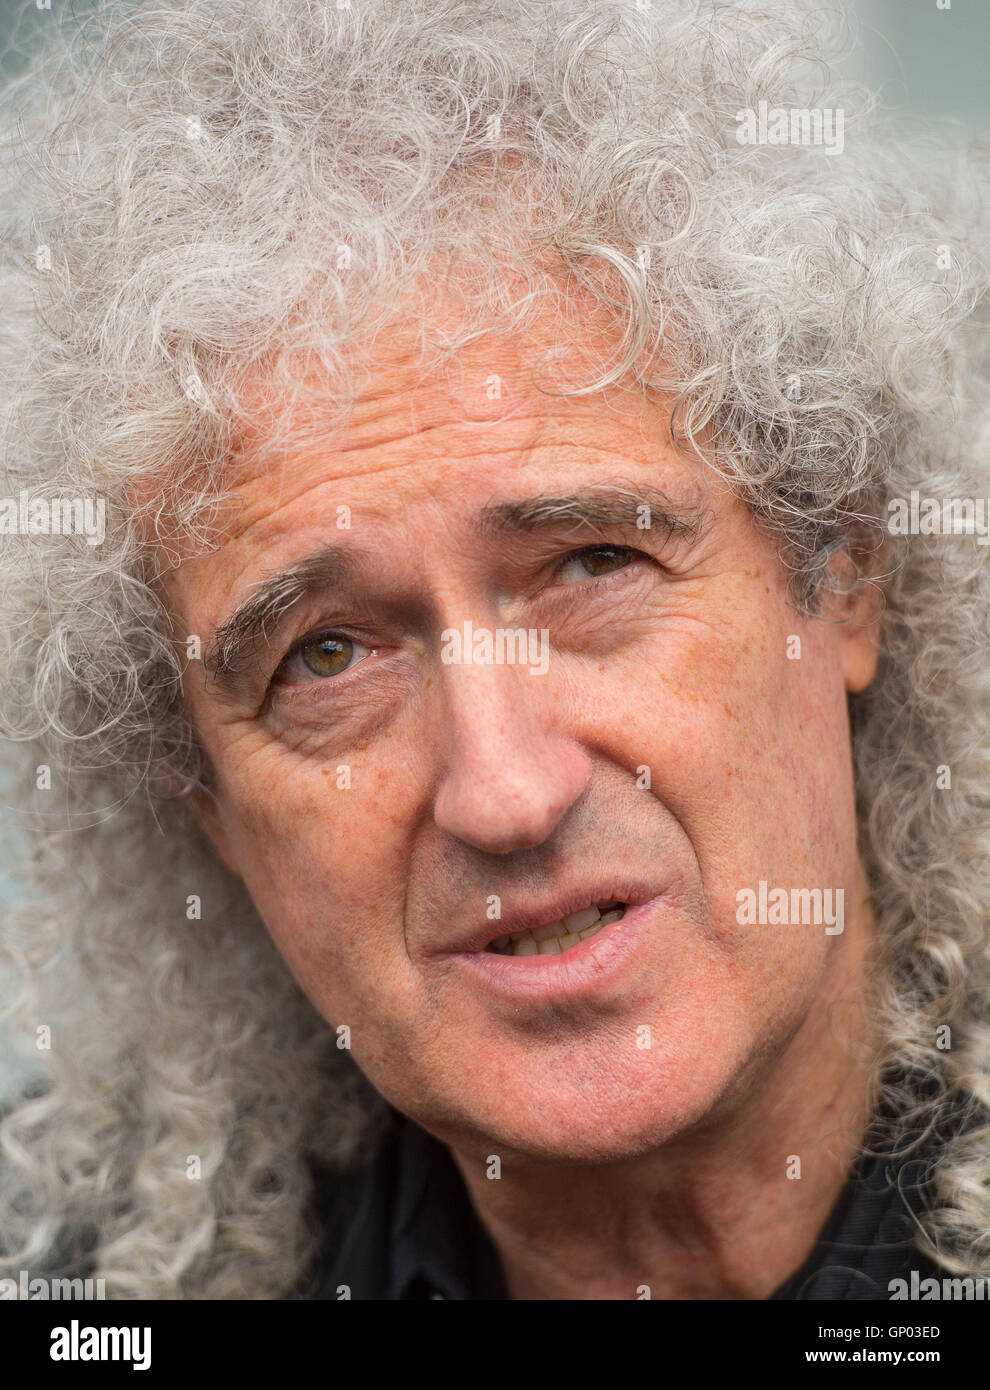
[(402, 420), (403, 450), (397, 414), (397, 419)]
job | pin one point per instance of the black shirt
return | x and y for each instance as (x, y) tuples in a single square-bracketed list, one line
[(404, 1228)]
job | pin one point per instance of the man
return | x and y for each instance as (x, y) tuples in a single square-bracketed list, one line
[(497, 615)]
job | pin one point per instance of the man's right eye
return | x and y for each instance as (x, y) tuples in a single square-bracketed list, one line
[(319, 657)]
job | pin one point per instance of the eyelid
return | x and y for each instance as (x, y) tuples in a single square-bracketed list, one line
[(602, 545)]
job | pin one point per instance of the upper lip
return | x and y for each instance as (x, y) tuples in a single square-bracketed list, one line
[(537, 914)]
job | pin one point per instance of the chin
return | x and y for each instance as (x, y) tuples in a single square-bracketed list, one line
[(605, 1124), (587, 1141)]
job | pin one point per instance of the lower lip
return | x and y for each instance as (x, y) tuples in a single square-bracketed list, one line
[(583, 970)]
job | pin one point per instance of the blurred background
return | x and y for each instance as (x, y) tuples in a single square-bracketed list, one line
[(927, 57)]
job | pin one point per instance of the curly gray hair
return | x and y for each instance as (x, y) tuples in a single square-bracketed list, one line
[(199, 191)]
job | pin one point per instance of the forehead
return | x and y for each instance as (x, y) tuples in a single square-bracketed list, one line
[(421, 409), (433, 435)]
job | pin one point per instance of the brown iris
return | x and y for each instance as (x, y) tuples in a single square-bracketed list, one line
[(602, 559), (327, 656)]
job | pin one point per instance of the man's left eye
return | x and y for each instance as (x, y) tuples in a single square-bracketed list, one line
[(595, 562)]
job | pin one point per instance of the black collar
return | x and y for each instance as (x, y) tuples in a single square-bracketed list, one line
[(403, 1228), (869, 1238)]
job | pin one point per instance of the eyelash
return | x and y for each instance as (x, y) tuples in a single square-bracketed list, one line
[(593, 583)]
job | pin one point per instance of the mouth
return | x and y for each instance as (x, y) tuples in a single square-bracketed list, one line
[(575, 948), (563, 934)]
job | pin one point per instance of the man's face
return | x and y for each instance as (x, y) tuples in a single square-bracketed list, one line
[(393, 806)]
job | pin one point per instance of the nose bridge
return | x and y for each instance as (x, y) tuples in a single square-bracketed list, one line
[(488, 706), (510, 774)]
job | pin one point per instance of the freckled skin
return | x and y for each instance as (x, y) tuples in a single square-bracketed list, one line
[(620, 1164)]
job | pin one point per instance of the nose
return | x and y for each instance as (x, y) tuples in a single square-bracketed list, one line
[(510, 778)]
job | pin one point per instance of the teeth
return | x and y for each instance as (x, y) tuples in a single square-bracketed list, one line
[(577, 921), (559, 936)]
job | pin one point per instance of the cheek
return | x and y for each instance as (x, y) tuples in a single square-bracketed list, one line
[(321, 856), (710, 714), (745, 750)]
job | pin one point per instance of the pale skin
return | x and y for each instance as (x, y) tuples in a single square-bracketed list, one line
[(621, 1166)]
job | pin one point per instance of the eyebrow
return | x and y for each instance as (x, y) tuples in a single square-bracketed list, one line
[(334, 565), (602, 506), (260, 613)]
